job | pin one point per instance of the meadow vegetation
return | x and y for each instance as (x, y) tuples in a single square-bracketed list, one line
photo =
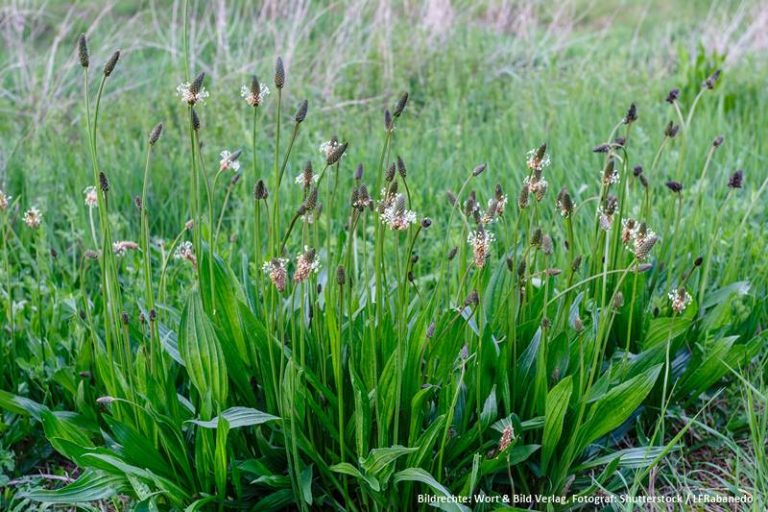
[(334, 257)]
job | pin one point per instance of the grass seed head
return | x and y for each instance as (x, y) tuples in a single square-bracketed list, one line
[(711, 81), (301, 112), (260, 191), (103, 182), (336, 153), (401, 167), (673, 95), (401, 103), (109, 67), (82, 51), (675, 186), (671, 130), (279, 73), (631, 115), (736, 180), (155, 134)]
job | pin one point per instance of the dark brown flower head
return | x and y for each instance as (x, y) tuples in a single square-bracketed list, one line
[(736, 180), (673, 96), (195, 121), (536, 238), (260, 191), (197, 84), (401, 167), (643, 180), (452, 253), (718, 141), (644, 248), (235, 179), (522, 199), (671, 130), (611, 204), (565, 203), (472, 299), (389, 124), (426, 222), (451, 198), (389, 174), (154, 135), (301, 112), (311, 201), (631, 116), (521, 268), (103, 182), (82, 51), (109, 67), (336, 153), (698, 261), (675, 186), (341, 275), (478, 170), (546, 245), (576, 263), (499, 193), (637, 170), (279, 73), (711, 81), (401, 103), (619, 142), (601, 148), (137, 202), (359, 172)]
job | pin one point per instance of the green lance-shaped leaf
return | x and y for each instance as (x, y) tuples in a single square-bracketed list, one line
[(202, 352), (556, 407)]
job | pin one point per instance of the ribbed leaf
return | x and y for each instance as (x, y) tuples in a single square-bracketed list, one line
[(556, 407), (201, 351), (420, 475), (616, 406), (237, 417), (91, 486)]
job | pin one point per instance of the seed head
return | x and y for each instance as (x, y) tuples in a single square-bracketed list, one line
[(5, 200), (431, 329), (195, 121), (389, 174), (575, 264), (401, 103), (522, 199), (279, 73), (480, 241), (565, 203), (389, 124), (536, 238), (546, 245), (711, 81), (154, 135), (610, 173), (341, 275), (277, 273), (452, 253), (680, 299), (197, 84), (643, 180), (538, 158), (82, 51), (478, 170), (698, 261), (401, 167), (260, 191), (121, 247), (643, 249), (671, 130), (718, 141), (426, 222), (675, 186), (255, 93), (618, 300), (507, 436), (637, 170), (631, 116), (103, 182), (336, 153), (472, 299), (736, 180), (109, 67), (359, 172), (301, 112), (185, 251), (306, 264), (673, 96), (310, 203)]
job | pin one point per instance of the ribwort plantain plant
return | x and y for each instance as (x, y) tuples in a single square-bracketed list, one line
[(334, 366)]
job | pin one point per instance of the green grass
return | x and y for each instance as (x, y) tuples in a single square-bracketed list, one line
[(326, 395)]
